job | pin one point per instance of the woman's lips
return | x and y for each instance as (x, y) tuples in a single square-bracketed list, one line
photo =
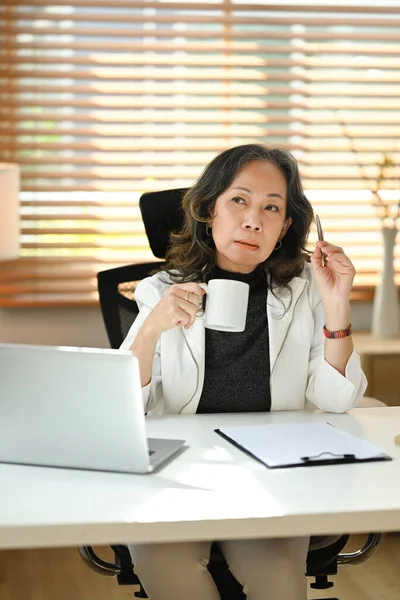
[(247, 245)]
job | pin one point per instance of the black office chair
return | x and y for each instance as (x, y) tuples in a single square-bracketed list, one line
[(162, 213)]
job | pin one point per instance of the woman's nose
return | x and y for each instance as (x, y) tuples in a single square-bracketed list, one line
[(252, 222), (253, 227)]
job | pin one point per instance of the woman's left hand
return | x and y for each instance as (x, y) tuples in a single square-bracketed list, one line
[(335, 280)]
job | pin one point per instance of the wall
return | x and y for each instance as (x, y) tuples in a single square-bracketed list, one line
[(84, 326), (53, 326)]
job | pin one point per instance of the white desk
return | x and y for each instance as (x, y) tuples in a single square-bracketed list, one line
[(211, 491)]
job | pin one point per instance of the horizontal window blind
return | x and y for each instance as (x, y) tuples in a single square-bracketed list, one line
[(103, 100)]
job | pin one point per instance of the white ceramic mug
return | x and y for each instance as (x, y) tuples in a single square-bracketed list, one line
[(226, 304)]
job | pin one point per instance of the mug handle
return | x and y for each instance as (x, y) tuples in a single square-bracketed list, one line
[(200, 312)]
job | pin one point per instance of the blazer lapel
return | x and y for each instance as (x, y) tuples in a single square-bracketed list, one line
[(280, 312), (196, 339)]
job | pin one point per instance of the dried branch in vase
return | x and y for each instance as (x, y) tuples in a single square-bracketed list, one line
[(387, 211)]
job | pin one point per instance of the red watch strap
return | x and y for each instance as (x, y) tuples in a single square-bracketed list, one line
[(335, 335)]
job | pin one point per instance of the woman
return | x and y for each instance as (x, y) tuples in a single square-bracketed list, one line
[(246, 218)]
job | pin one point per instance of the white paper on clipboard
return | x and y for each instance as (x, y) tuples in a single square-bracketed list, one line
[(301, 444)]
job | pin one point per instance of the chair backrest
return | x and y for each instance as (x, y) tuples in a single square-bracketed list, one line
[(119, 311), (161, 213)]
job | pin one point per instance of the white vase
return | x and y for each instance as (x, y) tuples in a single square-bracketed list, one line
[(385, 315)]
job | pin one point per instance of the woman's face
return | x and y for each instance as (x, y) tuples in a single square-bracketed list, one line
[(249, 217)]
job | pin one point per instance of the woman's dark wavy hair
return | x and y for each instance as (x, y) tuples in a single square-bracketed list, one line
[(191, 255)]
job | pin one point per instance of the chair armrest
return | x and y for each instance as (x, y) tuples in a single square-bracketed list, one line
[(369, 402), (358, 557), (97, 564), (122, 569)]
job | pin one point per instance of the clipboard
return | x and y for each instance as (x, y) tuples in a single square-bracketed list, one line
[(289, 445)]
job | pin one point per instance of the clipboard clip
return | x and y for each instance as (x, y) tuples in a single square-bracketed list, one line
[(322, 455)]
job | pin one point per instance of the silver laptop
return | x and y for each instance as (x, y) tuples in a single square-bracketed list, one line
[(75, 407)]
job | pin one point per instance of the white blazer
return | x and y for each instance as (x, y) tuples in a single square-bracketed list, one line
[(299, 372)]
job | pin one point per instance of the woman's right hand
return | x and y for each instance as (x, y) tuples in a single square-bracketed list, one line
[(178, 307)]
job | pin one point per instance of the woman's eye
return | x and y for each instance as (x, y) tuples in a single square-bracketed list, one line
[(272, 208), (238, 200)]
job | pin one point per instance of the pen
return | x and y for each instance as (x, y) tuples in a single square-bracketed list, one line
[(320, 237)]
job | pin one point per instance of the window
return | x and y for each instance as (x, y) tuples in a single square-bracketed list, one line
[(103, 100)]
